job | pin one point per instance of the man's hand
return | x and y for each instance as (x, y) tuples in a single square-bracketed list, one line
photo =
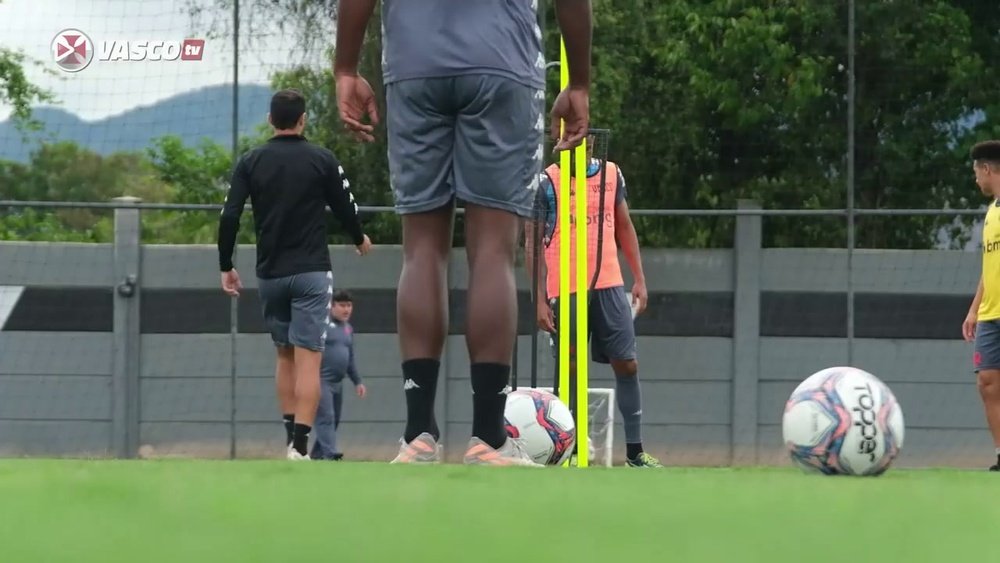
[(364, 247), (355, 99), (969, 326), (361, 390), (546, 321), (231, 283), (572, 105), (639, 297)]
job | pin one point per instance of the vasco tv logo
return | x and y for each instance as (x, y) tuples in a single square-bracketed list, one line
[(73, 50)]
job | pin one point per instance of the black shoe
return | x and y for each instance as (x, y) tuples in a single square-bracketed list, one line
[(338, 457), (995, 467)]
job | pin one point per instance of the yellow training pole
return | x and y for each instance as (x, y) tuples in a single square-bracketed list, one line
[(562, 207), (582, 309)]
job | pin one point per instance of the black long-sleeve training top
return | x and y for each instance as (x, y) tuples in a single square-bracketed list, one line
[(289, 181)]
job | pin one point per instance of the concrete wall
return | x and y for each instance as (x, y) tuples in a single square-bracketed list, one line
[(88, 371)]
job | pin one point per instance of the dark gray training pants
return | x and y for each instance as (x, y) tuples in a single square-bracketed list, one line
[(331, 403)]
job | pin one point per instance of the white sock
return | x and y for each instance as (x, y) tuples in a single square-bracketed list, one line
[(998, 452)]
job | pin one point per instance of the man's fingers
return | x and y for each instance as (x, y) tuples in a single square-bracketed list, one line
[(575, 134), (350, 115), (572, 138), (373, 111), (550, 322), (555, 126), (355, 125), (360, 136)]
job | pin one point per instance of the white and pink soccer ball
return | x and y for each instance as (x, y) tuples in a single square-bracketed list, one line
[(843, 421), (542, 423)]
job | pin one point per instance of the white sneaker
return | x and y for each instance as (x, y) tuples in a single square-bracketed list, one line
[(423, 449), (294, 455), (510, 453)]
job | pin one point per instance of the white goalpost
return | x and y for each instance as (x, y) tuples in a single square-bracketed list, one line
[(601, 424)]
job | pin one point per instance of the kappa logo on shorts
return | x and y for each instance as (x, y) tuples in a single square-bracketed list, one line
[(977, 358)]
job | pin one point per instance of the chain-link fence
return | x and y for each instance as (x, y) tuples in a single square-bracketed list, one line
[(130, 347)]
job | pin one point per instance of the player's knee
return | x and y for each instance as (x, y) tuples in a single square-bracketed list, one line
[(625, 368), (988, 383)]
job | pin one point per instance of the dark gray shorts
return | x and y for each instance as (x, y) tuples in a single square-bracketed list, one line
[(987, 354), (474, 137), (609, 320), (297, 308)]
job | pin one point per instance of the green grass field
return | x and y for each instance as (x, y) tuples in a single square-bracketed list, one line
[(244, 511)]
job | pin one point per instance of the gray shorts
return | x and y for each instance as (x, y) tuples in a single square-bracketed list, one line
[(297, 308), (474, 137), (987, 354), (609, 320)]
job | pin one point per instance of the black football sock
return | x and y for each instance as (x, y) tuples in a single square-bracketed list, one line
[(632, 451), (300, 438), (420, 386), (289, 428), (489, 382)]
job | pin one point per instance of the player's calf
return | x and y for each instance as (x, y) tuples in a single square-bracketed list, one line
[(988, 382), (629, 398), (422, 314), (307, 394), (284, 381)]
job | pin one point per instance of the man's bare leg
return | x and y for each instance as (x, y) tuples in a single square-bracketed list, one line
[(284, 380), (422, 314), (491, 325), (307, 391), (307, 384), (988, 381)]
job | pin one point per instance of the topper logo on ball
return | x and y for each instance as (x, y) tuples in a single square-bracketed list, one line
[(865, 421)]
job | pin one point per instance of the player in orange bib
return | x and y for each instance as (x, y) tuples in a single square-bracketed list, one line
[(612, 332)]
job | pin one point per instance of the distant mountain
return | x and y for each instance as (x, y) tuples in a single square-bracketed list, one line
[(193, 115)]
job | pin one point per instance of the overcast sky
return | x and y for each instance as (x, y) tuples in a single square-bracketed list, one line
[(106, 88)]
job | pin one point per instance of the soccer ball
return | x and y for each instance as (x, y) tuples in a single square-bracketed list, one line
[(843, 421), (543, 424)]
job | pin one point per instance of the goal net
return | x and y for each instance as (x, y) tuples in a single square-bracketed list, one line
[(601, 424)]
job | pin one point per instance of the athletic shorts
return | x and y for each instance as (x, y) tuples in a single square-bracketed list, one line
[(987, 354), (474, 137), (609, 320), (297, 308)]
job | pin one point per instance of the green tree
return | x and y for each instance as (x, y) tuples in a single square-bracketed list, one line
[(311, 23), (198, 175), (711, 101), (17, 90), (67, 172)]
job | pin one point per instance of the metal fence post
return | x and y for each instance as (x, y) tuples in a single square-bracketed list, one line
[(126, 339), (849, 199), (746, 335)]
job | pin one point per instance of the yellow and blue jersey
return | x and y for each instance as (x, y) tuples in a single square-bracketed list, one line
[(989, 307)]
